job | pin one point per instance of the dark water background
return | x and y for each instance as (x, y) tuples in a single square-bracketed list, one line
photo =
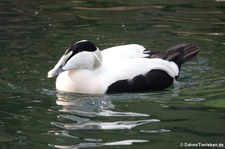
[(34, 34)]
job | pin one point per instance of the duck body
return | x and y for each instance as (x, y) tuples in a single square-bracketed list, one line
[(127, 68)]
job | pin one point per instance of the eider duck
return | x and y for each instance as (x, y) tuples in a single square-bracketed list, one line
[(83, 68)]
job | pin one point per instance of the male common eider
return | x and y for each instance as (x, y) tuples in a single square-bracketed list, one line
[(120, 69)]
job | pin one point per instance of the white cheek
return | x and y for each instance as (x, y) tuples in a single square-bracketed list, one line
[(83, 60)]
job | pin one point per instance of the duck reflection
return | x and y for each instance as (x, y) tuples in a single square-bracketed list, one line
[(85, 112), (90, 106), (81, 108)]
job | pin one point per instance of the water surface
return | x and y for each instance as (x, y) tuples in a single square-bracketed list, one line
[(34, 34)]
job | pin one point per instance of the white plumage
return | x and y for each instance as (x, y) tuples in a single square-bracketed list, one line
[(86, 69)]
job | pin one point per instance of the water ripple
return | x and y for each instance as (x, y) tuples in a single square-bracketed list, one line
[(103, 125), (88, 144), (155, 131), (85, 112), (91, 106)]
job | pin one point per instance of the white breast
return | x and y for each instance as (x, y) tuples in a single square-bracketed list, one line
[(80, 81)]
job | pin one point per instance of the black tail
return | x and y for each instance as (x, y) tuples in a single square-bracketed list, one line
[(179, 54)]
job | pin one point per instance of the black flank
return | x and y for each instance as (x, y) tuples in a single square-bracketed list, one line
[(153, 80)]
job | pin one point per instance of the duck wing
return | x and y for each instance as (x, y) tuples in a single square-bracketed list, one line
[(156, 71), (179, 54), (136, 74), (126, 51)]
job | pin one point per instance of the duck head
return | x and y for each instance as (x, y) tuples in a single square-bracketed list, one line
[(80, 55)]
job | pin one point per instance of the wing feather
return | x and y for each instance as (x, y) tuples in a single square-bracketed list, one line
[(129, 51)]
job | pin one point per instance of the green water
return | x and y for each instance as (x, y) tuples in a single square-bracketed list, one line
[(34, 34)]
